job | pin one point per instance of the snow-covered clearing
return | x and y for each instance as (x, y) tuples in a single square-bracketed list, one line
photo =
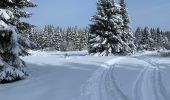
[(74, 76)]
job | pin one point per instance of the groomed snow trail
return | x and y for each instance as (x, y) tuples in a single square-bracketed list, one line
[(102, 85), (54, 76), (149, 85)]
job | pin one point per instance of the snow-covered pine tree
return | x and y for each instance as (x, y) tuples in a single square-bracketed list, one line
[(12, 43), (73, 40), (11, 65), (146, 42), (161, 39), (128, 35), (47, 33), (83, 38), (165, 41), (41, 39), (167, 33), (60, 38), (138, 36), (64, 44), (23, 28), (57, 39), (68, 38), (106, 36), (9, 48), (36, 37), (156, 36)]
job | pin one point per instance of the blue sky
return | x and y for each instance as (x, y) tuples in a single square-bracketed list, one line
[(152, 13)]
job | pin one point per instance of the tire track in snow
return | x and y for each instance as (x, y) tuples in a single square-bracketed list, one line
[(102, 85), (149, 85)]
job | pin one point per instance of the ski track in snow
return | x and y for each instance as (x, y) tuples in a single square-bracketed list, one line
[(149, 85), (102, 85)]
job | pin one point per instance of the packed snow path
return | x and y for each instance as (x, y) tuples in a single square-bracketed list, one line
[(149, 84), (53, 76), (57, 76), (102, 85)]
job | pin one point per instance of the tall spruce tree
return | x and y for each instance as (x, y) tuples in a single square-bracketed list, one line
[(107, 35), (146, 42), (127, 31), (138, 36), (12, 43), (23, 28), (161, 39)]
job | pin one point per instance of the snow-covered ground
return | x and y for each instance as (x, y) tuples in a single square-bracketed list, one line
[(75, 76)]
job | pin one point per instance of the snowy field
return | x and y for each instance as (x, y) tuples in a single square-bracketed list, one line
[(75, 76)]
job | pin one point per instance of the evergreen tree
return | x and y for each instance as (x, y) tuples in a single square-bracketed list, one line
[(106, 34), (154, 37), (127, 35), (74, 39), (146, 42), (165, 42), (160, 39), (23, 28), (12, 43), (36, 37), (167, 46), (168, 35), (83, 38), (48, 32), (138, 36), (57, 38)]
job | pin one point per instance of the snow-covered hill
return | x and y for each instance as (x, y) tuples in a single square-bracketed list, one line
[(75, 76)]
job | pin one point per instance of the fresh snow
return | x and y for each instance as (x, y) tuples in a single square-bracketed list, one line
[(6, 14), (3, 26), (77, 76)]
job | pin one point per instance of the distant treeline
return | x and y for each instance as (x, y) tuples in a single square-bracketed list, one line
[(61, 39), (151, 39), (76, 39)]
